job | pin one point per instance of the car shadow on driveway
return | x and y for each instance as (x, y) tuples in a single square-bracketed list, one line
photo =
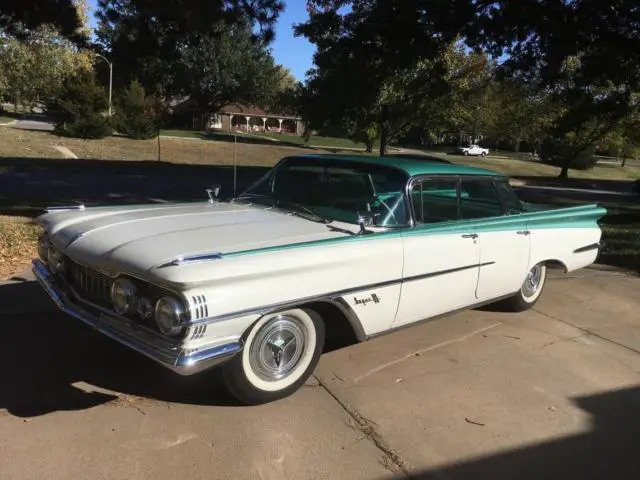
[(609, 449), (48, 354)]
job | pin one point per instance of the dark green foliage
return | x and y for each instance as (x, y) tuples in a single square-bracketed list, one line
[(18, 16), (159, 42), (137, 115), (80, 109), (561, 152)]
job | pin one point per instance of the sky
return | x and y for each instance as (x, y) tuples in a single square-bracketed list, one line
[(294, 53)]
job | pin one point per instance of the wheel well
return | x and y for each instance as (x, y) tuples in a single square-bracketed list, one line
[(556, 264), (340, 332)]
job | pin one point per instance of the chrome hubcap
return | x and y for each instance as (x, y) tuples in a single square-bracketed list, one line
[(532, 282), (277, 348)]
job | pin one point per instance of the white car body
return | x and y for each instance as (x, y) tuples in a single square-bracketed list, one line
[(234, 263), (473, 150)]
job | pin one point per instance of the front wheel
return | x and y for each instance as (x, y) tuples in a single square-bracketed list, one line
[(530, 291), (280, 353)]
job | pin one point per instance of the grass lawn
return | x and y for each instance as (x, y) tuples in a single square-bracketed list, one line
[(288, 139), (4, 119)]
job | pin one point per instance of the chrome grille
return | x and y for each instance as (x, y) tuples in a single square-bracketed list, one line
[(89, 284)]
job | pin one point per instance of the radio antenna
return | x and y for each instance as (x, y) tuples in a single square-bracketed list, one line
[(235, 163)]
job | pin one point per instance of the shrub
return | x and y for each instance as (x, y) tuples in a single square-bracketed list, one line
[(79, 110), (137, 115), (561, 151)]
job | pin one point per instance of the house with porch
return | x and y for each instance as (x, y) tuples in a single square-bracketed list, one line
[(234, 117), (238, 117)]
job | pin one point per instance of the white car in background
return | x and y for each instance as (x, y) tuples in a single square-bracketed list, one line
[(473, 150)]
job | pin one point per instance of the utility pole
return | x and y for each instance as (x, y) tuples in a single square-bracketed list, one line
[(110, 78)]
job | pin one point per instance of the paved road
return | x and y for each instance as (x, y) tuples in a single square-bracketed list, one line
[(34, 122), (549, 393)]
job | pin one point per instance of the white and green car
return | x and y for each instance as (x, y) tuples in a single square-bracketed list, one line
[(320, 244)]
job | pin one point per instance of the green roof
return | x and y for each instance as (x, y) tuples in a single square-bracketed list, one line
[(410, 165)]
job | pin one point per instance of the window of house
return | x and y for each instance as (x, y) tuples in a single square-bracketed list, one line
[(435, 200), (479, 198)]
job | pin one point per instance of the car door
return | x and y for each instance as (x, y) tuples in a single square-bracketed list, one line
[(502, 235), (441, 257)]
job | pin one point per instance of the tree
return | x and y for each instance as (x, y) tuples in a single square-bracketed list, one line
[(137, 115), (227, 67), (79, 109), (36, 65), (19, 17), (585, 52), (156, 41)]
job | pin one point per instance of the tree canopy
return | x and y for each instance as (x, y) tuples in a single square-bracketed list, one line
[(17, 17), (158, 42)]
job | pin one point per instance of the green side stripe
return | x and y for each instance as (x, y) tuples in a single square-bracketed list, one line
[(585, 216)]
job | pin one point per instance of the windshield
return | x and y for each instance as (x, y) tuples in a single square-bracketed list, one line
[(334, 190)]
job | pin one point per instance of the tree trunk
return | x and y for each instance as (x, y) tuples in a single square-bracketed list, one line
[(369, 145), (516, 145), (564, 172), (624, 159), (384, 126)]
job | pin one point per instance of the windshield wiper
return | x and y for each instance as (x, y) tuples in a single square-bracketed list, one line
[(299, 207), (342, 230)]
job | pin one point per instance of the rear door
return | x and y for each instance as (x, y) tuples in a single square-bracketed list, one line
[(502, 234)]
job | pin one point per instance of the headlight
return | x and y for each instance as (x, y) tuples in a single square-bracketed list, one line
[(43, 247), (55, 259), (123, 296), (169, 315)]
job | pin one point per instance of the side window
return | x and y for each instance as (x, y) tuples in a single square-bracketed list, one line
[(509, 198), (479, 198), (435, 200)]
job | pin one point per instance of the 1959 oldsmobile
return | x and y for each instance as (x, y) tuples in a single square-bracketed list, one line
[(254, 284)]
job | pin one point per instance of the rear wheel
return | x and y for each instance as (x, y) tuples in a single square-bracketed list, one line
[(530, 291), (280, 353)]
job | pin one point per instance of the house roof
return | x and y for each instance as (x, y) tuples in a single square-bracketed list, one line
[(240, 109), (411, 165)]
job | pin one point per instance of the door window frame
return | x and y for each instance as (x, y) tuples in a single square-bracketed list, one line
[(413, 181)]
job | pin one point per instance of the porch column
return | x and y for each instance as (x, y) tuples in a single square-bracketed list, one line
[(264, 123), (247, 118), (280, 120), (231, 121)]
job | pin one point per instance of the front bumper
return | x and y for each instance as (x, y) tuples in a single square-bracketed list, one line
[(185, 361)]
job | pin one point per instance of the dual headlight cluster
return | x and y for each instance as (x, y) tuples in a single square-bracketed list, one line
[(50, 255), (168, 312)]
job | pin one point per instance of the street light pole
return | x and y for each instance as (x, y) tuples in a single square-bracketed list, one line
[(110, 78)]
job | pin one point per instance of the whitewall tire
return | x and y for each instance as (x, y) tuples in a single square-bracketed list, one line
[(280, 352), (530, 290)]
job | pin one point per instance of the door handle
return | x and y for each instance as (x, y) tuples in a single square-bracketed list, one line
[(524, 232), (470, 235)]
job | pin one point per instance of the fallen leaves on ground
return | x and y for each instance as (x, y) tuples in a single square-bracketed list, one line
[(18, 245)]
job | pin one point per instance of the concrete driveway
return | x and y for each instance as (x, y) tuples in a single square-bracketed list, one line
[(550, 393)]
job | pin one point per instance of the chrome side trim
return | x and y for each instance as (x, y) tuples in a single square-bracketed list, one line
[(206, 257), (183, 361), (587, 248), (64, 208), (329, 296)]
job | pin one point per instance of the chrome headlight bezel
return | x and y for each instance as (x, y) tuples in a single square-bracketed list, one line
[(43, 247), (123, 296), (170, 315)]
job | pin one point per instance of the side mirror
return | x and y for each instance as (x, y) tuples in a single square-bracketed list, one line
[(213, 193), (366, 219)]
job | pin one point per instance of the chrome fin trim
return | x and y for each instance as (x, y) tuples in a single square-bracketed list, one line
[(207, 257)]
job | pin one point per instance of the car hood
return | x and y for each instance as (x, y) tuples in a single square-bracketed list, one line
[(141, 238)]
